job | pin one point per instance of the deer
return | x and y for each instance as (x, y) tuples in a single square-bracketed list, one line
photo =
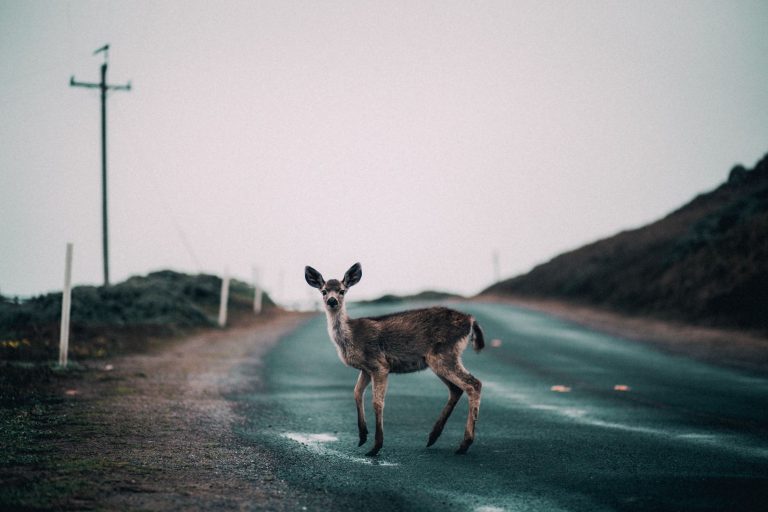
[(404, 342)]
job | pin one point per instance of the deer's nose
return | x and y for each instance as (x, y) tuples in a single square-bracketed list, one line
[(333, 302)]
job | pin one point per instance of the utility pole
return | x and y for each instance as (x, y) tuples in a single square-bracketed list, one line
[(104, 87)]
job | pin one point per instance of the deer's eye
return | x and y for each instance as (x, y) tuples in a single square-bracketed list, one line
[(324, 292), (342, 292)]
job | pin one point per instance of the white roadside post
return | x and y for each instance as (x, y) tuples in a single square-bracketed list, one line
[(66, 303), (224, 299), (257, 292)]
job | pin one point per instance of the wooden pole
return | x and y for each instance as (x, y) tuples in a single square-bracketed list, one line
[(224, 300), (257, 292), (104, 222), (66, 304), (103, 86)]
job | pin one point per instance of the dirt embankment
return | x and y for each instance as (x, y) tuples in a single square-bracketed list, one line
[(152, 431), (732, 348)]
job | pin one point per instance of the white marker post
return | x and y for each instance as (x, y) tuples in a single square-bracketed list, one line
[(257, 292), (224, 299), (66, 304)]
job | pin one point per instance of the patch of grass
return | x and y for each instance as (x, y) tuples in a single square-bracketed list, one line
[(124, 390), (32, 413), (34, 493)]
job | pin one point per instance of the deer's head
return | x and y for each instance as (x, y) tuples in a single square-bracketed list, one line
[(333, 290)]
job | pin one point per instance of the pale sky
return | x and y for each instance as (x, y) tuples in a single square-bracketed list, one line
[(415, 137)]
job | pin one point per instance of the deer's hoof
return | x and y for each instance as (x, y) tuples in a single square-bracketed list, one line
[(363, 439), (374, 451), (463, 448), (432, 438)]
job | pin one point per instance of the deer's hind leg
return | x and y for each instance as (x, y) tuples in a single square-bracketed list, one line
[(362, 382), (465, 380), (451, 369), (455, 393)]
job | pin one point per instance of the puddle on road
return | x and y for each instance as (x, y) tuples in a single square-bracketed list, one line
[(318, 443), (310, 438)]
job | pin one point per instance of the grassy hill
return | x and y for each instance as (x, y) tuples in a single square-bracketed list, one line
[(425, 296), (119, 318), (705, 263)]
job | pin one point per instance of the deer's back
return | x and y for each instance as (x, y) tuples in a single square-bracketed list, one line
[(403, 339)]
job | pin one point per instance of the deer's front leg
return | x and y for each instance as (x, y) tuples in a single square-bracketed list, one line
[(379, 391), (362, 382)]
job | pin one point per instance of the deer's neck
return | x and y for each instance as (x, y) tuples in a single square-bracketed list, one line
[(340, 332)]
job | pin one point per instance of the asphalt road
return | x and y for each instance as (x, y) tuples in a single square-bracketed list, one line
[(570, 420)]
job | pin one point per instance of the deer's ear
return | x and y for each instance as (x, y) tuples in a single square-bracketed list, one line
[(353, 275), (313, 277)]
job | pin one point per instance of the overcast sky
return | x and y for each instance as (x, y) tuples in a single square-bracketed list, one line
[(415, 137)]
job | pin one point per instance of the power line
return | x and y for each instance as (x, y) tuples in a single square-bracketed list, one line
[(104, 87)]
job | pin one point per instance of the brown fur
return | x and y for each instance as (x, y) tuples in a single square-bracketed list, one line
[(402, 342)]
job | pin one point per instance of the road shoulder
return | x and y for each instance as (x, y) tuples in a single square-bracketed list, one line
[(155, 430)]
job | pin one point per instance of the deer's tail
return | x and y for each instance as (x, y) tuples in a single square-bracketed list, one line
[(478, 341)]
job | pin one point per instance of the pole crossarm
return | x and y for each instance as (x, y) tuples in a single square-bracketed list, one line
[(126, 87), (75, 83)]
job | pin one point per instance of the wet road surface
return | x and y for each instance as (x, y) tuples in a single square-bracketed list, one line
[(570, 419)]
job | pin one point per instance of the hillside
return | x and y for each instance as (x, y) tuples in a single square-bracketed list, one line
[(425, 296), (705, 263), (124, 317)]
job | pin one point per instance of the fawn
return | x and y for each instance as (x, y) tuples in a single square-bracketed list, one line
[(403, 342)]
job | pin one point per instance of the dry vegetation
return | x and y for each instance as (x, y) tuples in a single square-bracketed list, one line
[(127, 317)]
